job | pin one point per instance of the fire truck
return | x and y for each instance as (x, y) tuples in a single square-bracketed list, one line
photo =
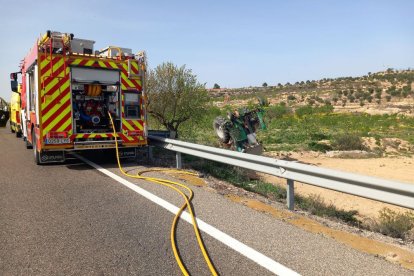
[(68, 91)]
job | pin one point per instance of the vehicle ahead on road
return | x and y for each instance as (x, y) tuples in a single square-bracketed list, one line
[(68, 91), (15, 107), (4, 112)]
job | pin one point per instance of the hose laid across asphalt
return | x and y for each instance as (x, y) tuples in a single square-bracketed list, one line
[(187, 199)]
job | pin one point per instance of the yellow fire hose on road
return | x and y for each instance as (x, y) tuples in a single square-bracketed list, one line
[(172, 185)]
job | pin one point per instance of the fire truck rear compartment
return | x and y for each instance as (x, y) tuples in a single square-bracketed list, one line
[(95, 93), (90, 111)]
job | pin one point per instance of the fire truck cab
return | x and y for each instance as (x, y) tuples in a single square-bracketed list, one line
[(69, 90)]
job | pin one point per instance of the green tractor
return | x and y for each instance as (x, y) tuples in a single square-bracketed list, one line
[(238, 130)]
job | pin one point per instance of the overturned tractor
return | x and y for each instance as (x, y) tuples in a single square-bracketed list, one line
[(238, 130)]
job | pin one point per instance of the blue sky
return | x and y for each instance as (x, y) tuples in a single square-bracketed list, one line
[(232, 43)]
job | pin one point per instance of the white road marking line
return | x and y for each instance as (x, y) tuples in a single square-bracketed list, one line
[(231, 242)]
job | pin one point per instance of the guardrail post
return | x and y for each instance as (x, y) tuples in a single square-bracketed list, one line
[(290, 194), (179, 161)]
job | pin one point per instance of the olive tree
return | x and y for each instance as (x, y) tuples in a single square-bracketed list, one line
[(174, 95)]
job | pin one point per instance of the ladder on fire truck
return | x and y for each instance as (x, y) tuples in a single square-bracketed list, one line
[(54, 43)]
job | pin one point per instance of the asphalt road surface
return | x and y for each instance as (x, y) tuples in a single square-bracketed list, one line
[(71, 219)]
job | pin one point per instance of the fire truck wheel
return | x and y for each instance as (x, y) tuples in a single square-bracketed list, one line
[(11, 128), (18, 134), (36, 153), (28, 145)]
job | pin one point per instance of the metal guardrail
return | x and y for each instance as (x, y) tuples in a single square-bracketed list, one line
[(393, 192)]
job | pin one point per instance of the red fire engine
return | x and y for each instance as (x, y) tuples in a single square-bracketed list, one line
[(68, 89)]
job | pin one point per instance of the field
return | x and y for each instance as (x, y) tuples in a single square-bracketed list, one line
[(362, 125)]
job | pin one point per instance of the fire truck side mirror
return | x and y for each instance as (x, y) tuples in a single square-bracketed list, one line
[(13, 81), (13, 84)]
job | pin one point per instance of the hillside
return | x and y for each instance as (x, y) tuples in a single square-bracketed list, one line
[(388, 92)]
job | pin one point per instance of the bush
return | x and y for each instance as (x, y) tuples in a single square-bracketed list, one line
[(277, 111), (317, 206), (319, 99), (291, 98), (348, 142), (325, 109), (304, 110), (316, 146), (393, 224)]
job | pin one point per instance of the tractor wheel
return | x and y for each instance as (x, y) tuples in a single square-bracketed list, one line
[(221, 130), (255, 123)]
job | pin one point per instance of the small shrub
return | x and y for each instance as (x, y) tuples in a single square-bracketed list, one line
[(316, 146), (319, 100), (317, 206), (388, 98), (348, 142), (328, 108), (304, 110), (291, 98), (277, 111), (393, 224)]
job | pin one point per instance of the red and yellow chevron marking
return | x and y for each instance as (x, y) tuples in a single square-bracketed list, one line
[(127, 83), (55, 105), (92, 135), (131, 125), (134, 69), (91, 62)]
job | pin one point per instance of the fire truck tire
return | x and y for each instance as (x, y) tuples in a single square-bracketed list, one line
[(11, 128), (28, 145), (18, 134), (220, 129), (35, 151)]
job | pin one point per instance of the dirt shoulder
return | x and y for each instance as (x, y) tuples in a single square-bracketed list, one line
[(399, 168)]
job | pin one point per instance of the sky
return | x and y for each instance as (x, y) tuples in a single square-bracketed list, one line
[(231, 43)]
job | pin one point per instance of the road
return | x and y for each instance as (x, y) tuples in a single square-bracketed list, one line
[(71, 219)]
